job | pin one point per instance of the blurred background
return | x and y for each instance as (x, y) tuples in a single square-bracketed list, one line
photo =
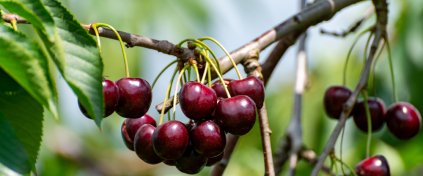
[(75, 146)]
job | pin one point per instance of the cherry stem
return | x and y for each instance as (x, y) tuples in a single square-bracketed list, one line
[(369, 122), (94, 27), (162, 71), (226, 52), (205, 47), (219, 75), (366, 47), (391, 68), (209, 76), (344, 80), (167, 96), (333, 164), (189, 73), (177, 86), (373, 77), (122, 45), (206, 70), (344, 164), (13, 22), (196, 72)]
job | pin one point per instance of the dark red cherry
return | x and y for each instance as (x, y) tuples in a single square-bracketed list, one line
[(170, 140), (373, 166), (403, 120), (132, 125), (169, 162), (219, 89), (236, 115), (135, 97), (126, 139), (143, 144), (250, 86), (334, 100), (191, 162), (208, 139), (111, 97), (197, 100), (377, 114), (213, 160)]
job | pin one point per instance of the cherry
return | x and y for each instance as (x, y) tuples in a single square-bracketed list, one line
[(143, 144), (236, 115), (208, 139), (169, 162), (197, 100), (250, 86), (374, 166), (403, 120), (132, 125), (191, 162), (334, 100), (377, 114), (170, 140), (125, 136), (135, 97), (219, 89), (111, 97), (213, 160)]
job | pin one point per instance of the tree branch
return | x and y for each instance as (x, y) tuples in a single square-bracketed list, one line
[(314, 14), (379, 34)]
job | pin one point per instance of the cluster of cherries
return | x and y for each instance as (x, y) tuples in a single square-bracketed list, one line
[(189, 146), (129, 97), (402, 118)]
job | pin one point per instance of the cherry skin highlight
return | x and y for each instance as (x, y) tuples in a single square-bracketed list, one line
[(374, 166), (403, 120)]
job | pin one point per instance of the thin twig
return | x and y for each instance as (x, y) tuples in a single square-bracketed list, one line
[(294, 136), (295, 127), (310, 157), (354, 27), (379, 34), (313, 14)]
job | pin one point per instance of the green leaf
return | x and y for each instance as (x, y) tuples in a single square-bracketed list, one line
[(44, 25), (82, 66), (24, 60), (21, 118), (43, 30)]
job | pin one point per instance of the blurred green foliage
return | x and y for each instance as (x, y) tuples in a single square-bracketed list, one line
[(66, 151)]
